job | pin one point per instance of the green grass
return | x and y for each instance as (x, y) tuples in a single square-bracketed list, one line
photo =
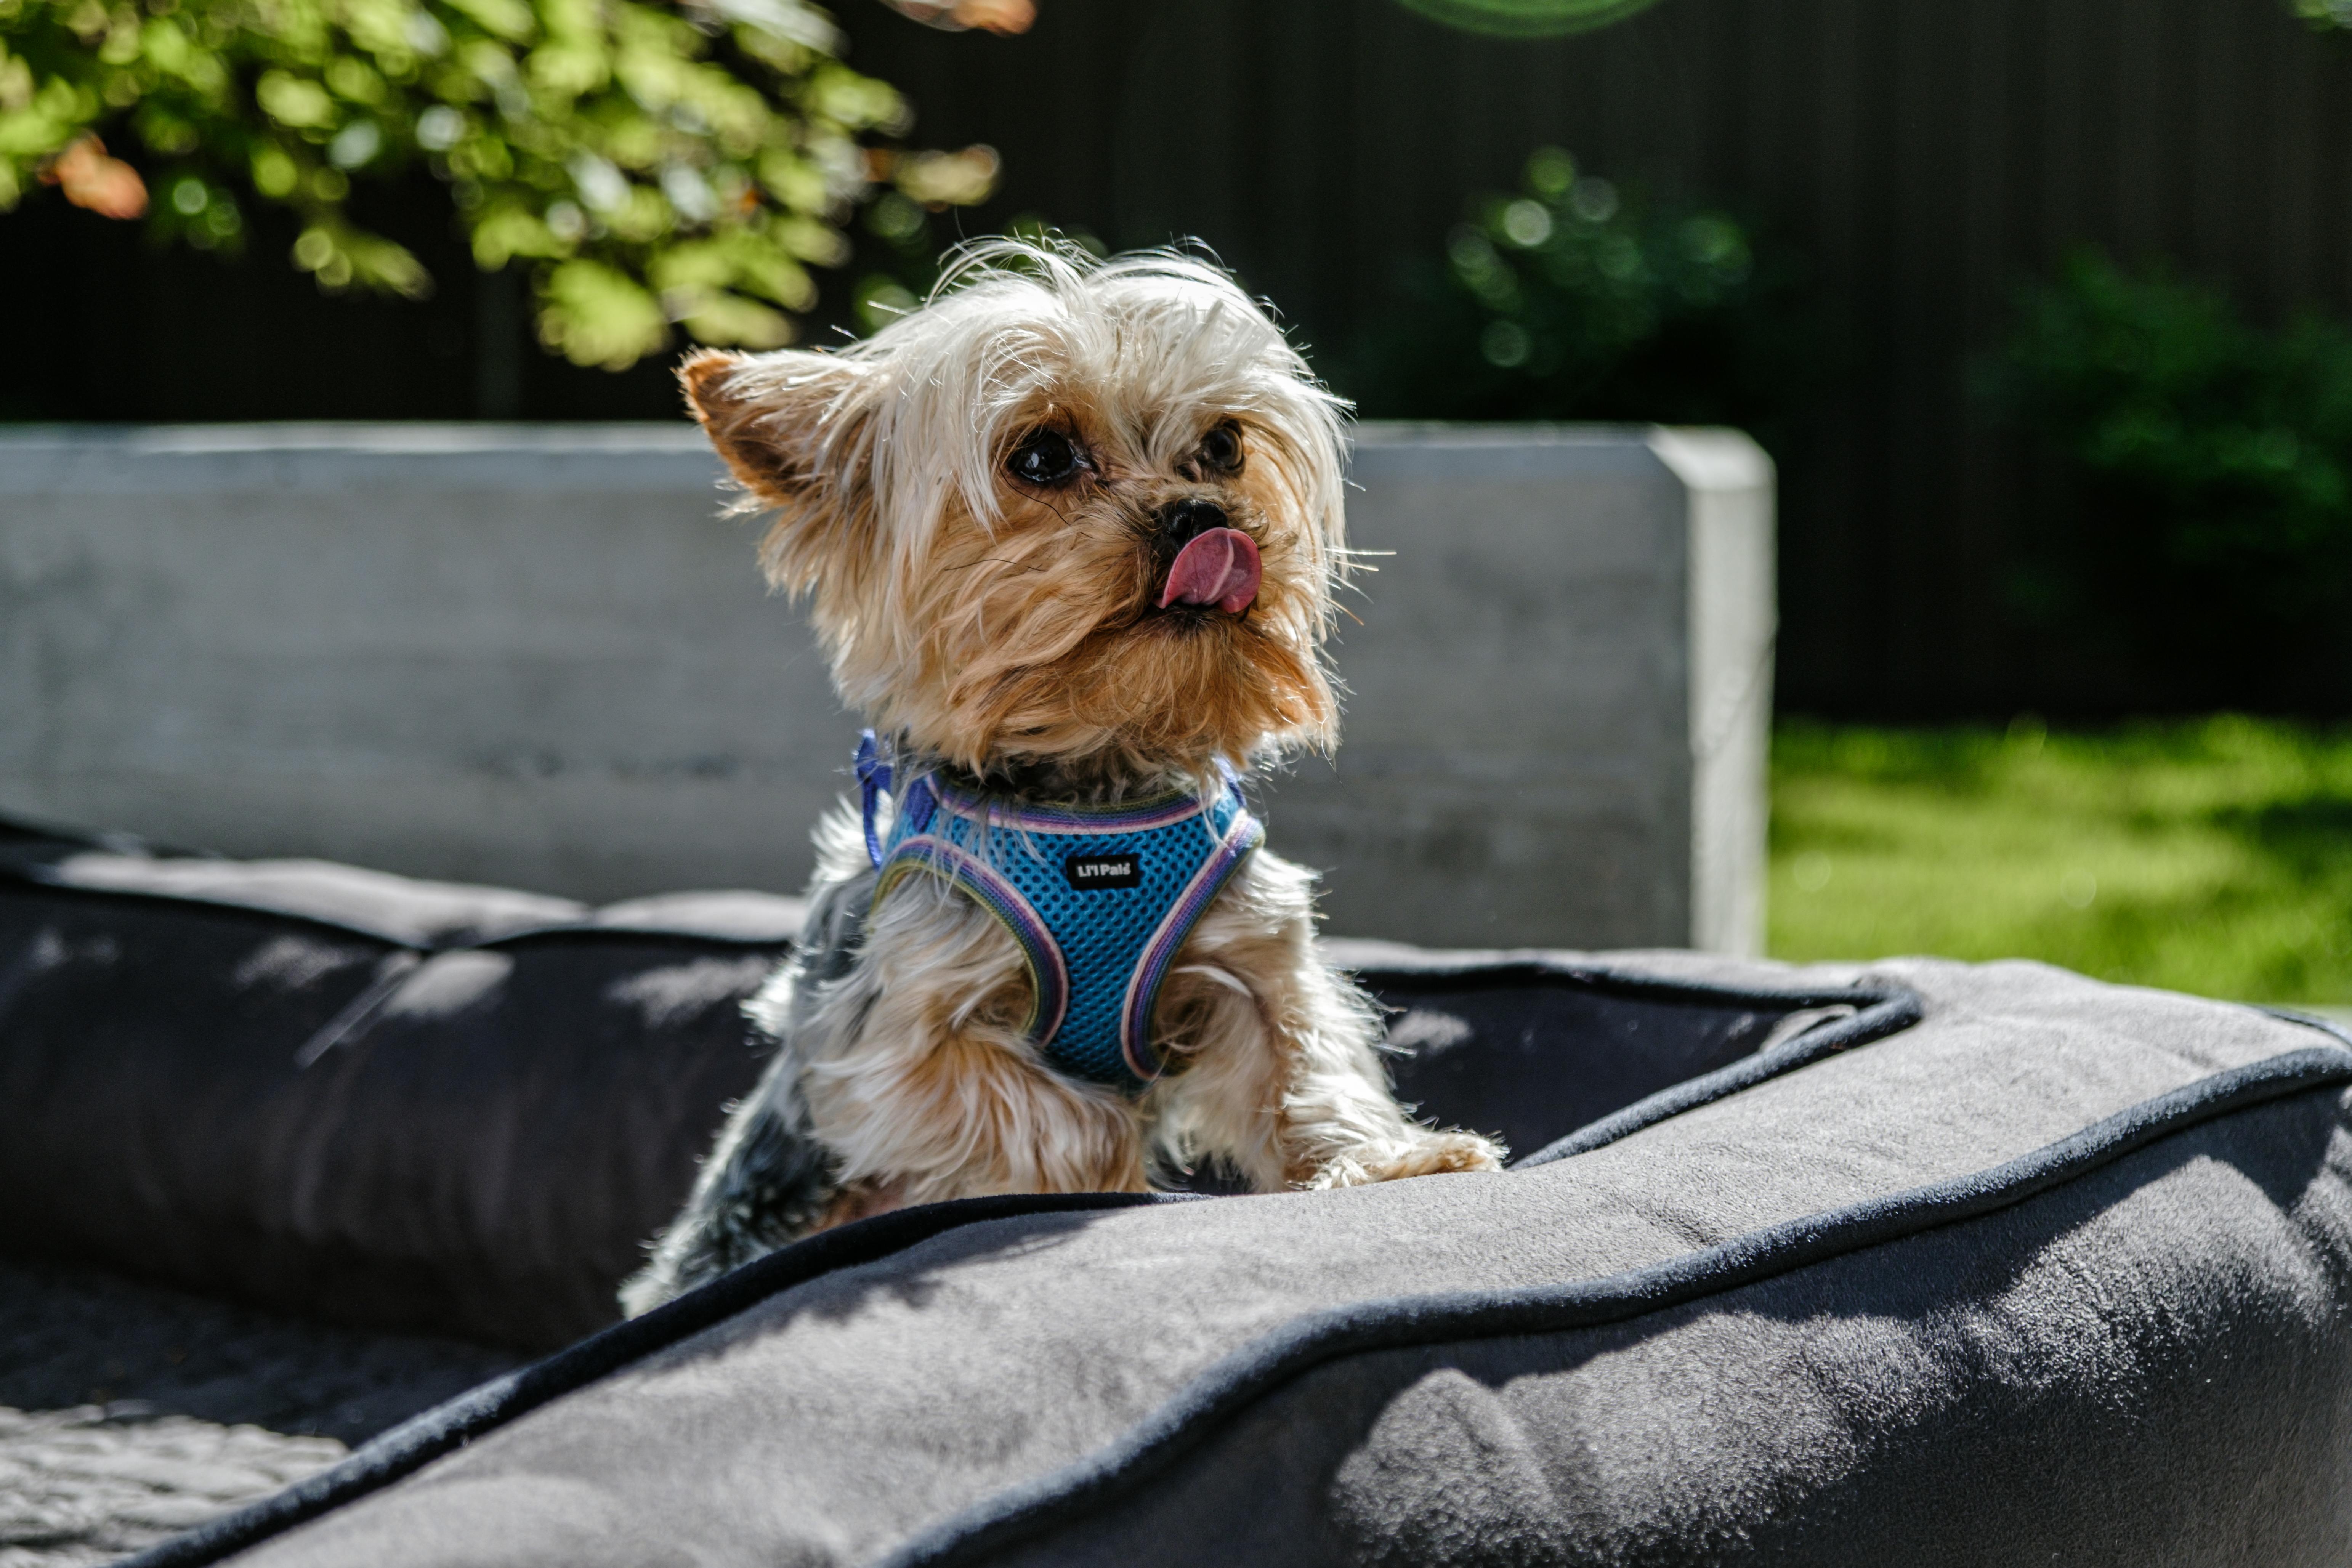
[(2212, 856)]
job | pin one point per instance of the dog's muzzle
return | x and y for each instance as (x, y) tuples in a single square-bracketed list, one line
[(1217, 566)]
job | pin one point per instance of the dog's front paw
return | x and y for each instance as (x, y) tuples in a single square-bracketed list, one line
[(1434, 1155), (1437, 1154)]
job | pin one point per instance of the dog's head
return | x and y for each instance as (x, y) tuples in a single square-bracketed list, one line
[(1073, 514)]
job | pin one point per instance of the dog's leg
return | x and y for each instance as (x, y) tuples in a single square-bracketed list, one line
[(1283, 1077), (766, 1184), (1340, 1122), (920, 1074)]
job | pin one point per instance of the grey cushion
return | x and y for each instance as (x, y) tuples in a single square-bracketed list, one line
[(411, 1105), (389, 1103), (2059, 1272)]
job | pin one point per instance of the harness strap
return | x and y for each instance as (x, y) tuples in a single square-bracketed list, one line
[(1143, 984), (1099, 901), (873, 780), (1049, 973)]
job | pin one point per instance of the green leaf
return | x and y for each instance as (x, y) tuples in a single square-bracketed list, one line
[(509, 19), (292, 102), (732, 320), (645, 164), (596, 315)]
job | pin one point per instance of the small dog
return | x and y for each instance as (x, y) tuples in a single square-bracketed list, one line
[(1070, 535)]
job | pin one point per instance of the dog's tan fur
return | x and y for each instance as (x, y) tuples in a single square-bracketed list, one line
[(1009, 632)]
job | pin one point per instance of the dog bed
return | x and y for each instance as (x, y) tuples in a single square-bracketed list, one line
[(388, 1103), (130, 1413), (415, 1106), (1916, 1263)]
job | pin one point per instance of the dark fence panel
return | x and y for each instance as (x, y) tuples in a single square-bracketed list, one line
[(1924, 156)]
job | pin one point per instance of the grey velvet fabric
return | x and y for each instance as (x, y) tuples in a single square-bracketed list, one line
[(2062, 1272), (419, 1106), (335, 1092)]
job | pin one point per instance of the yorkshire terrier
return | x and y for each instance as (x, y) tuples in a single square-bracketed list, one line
[(1070, 535)]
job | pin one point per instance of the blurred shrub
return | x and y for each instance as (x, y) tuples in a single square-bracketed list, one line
[(1577, 299), (650, 164), (2206, 464)]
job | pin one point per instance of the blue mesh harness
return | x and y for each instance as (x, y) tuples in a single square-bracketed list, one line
[(1099, 901)]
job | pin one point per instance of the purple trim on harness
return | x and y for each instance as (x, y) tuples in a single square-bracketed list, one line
[(1054, 819), (1049, 977), (1143, 985)]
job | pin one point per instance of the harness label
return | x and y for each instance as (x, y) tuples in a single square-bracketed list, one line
[(1088, 872)]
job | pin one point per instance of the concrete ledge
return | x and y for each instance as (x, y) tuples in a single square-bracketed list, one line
[(1563, 667), (535, 655)]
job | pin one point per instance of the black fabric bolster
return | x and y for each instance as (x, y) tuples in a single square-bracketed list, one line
[(1223, 1390), (52, 884), (1191, 1416), (1885, 1012), (416, 1443), (1446, 971)]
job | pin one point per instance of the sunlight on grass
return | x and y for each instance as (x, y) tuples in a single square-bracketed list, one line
[(2212, 856)]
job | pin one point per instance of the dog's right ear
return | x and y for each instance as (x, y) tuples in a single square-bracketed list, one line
[(782, 421), (792, 426)]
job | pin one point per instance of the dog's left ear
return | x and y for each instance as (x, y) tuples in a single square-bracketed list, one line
[(792, 424)]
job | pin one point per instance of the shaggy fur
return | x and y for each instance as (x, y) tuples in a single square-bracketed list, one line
[(1008, 631)]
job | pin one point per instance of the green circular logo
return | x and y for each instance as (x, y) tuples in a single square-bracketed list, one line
[(1526, 18)]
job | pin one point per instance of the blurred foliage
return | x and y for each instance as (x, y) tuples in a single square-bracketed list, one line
[(1575, 299), (2209, 856), (2324, 13), (1526, 18), (649, 164), (2206, 500)]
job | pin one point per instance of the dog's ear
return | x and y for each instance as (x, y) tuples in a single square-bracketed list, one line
[(780, 420), (792, 426)]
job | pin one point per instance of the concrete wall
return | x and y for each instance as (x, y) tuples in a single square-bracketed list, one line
[(535, 655), (1561, 690)]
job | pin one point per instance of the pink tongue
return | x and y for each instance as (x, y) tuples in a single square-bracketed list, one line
[(1219, 568)]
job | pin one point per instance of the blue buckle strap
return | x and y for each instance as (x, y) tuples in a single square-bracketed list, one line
[(873, 781)]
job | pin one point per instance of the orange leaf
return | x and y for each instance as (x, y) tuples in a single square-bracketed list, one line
[(107, 186)]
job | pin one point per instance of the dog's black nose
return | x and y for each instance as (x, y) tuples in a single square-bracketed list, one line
[(1184, 520)]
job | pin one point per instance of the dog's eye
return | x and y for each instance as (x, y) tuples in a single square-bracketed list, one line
[(1220, 450), (1045, 457)]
